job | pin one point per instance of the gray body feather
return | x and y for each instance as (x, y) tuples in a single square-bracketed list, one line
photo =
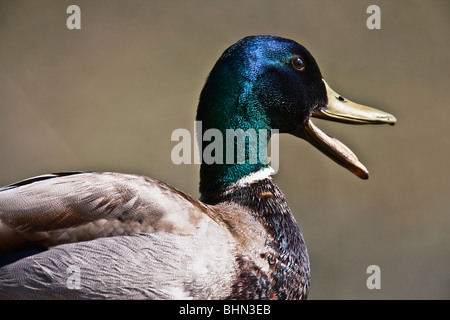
[(125, 236)]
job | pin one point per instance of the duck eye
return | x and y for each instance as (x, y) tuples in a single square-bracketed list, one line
[(298, 63)]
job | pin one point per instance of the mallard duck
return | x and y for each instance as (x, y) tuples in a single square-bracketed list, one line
[(84, 235)]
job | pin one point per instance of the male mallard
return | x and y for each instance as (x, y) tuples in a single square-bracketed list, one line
[(112, 235)]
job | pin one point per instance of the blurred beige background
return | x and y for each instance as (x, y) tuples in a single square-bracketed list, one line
[(107, 98)]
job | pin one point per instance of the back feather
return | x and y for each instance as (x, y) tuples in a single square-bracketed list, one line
[(76, 206)]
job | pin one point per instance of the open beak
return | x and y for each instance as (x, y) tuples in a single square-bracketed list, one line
[(343, 110)]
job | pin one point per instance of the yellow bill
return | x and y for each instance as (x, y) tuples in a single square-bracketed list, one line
[(343, 110)]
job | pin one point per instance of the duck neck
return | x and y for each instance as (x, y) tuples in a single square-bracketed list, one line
[(216, 178), (232, 147), (240, 154)]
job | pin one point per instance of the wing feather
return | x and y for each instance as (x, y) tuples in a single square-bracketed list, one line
[(77, 206)]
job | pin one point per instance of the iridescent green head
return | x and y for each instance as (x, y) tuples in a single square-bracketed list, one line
[(265, 83)]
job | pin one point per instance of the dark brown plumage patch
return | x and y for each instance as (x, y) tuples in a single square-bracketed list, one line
[(251, 282), (284, 252), (265, 195)]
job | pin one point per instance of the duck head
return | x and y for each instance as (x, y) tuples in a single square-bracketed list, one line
[(267, 82)]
